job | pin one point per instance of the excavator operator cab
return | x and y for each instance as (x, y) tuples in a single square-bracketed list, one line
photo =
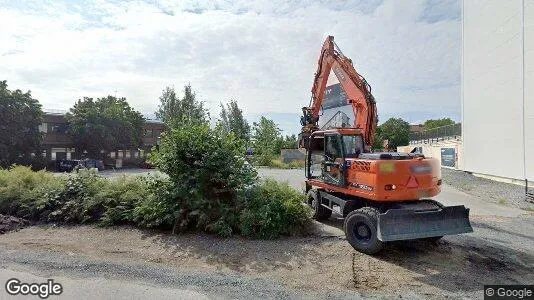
[(327, 151)]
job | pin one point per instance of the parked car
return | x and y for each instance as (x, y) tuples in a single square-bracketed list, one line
[(69, 165), (146, 165)]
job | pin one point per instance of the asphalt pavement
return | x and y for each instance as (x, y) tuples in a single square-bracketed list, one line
[(449, 195)]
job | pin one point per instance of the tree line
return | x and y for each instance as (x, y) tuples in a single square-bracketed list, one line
[(101, 125), (263, 138), (396, 132)]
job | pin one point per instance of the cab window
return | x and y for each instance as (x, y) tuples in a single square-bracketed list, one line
[(332, 147), (353, 145)]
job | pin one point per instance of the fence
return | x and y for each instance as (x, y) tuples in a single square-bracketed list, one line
[(448, 132)]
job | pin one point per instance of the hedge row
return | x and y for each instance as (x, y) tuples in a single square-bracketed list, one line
[(263, 209)]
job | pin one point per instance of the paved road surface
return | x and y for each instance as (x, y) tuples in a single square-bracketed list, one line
[(449, 196), (100, 288)]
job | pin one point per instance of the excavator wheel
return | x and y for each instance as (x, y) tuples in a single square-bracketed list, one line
[(319, 212), (361, 230)]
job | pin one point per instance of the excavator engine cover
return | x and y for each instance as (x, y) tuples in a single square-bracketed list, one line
[(422, 219)]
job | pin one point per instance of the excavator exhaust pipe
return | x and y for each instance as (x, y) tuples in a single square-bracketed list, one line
[(413, 223)]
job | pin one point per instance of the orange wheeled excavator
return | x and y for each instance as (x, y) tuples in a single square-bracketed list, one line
[(382, 196)]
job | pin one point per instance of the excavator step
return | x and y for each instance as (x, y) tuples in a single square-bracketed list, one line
[(409, 223)]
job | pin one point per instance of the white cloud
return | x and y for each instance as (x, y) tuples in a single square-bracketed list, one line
[(261, 53)]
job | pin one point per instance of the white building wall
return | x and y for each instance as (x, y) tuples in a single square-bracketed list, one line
[(492, 82), (529, 88), (433, 150)]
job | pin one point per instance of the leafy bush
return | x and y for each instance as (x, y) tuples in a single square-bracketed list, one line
[(80, 198), (207, 170), (160, 208), (264, 160), (278, 164), (225, 201), (68, 203), (273, 209), (272, 162), (297, 164), (118, 199), (20, 185)]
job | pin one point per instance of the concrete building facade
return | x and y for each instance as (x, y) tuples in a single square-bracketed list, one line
[(497, 131), (498, 88)]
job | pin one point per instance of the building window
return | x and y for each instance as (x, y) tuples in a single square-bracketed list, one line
[(43, 127), (127, 154), (59, 128), (148, 132), (112, 154), (58, 153)]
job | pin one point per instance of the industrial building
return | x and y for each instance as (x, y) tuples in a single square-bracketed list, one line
[(59, 145), (497, 99), (496, 139)]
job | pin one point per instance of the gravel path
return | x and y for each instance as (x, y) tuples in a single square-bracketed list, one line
[(500, 251), (322, 265), (211, 285), (489, 190)]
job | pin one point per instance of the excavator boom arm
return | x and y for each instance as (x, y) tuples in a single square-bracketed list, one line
[(355, 86)]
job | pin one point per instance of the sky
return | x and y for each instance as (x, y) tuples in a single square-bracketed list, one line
[(263, 54)]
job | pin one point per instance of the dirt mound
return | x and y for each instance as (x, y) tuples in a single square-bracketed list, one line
[(8, 223)]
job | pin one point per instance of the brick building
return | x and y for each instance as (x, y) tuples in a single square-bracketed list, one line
[(58, 144)]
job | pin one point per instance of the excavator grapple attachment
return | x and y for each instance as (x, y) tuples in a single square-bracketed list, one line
[(422, 221)]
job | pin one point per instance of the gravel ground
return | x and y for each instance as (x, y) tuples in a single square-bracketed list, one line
[(233, 268), (500, 251), (489, 190), (213, 285), (322, 265)]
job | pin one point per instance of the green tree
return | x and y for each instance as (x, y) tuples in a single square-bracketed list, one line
[(176, 112), (20, 117), (266, 135), (107, 124), (396, 131), (232, 120), (379, 139), (287, 142), (429, 124)]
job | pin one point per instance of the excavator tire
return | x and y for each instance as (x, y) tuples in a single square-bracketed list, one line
[(319, 212), (360, 228)]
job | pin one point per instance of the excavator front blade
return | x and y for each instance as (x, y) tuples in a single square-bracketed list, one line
[(409, 223)]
